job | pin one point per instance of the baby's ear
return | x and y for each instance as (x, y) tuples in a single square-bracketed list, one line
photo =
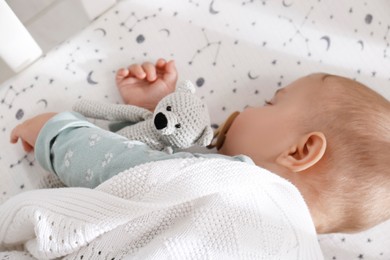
[(305, 153), (206, 137)]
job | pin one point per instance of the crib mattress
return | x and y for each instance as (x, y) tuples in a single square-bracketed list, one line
[(236, 52)]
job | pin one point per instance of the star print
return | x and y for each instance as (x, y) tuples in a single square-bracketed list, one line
[(93, 139), (89, 175), (108, 157), (67, 158)]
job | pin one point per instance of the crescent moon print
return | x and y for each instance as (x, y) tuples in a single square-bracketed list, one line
[(286, 4), (252, 77), (90, 80), (102, 30), (211, 8), (166, 31), (361, 44), (44, 101), (327, 39)]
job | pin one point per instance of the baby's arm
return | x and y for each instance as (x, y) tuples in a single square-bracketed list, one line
[(28, 131), (144, 85), (83, 155)]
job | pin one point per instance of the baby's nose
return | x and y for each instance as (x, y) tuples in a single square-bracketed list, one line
[(160, 121)]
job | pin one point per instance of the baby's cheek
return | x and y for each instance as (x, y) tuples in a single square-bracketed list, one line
[(242, 135), (232, 142)]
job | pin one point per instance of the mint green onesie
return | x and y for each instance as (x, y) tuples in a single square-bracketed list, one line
[(84, 155)]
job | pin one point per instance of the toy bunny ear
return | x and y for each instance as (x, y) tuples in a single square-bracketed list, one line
[(186, 86), (206, 137)]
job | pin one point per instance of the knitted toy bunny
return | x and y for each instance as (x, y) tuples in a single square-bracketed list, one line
[(180, 119)]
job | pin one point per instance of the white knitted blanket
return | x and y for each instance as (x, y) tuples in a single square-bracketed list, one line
[(173, 209)]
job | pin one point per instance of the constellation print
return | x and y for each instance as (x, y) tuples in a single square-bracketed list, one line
[(387, 40), (208, 45), (11, 94), (264, 2), (72, 61), (194, 3), (28, 157), (133, 20), (298, 32)]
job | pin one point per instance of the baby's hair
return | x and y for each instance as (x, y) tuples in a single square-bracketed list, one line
[(356, 122)]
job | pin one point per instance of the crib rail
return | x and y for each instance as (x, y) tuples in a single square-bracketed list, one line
[(18, 49)]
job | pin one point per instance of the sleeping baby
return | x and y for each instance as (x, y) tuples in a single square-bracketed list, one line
[(327, 135)]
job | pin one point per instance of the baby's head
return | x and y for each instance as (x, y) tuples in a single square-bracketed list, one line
[(330, 136)]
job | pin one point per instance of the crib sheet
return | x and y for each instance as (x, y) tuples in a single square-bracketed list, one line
[(237, 52)]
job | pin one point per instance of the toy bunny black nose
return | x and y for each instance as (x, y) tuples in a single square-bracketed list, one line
[(160, 121)]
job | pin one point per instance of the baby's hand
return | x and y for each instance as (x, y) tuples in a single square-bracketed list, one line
[(145, 85), (28, 131)]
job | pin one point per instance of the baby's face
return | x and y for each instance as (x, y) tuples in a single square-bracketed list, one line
[(264, 132)]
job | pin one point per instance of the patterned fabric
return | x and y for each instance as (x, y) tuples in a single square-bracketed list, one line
[(83, 155), (166, 210)]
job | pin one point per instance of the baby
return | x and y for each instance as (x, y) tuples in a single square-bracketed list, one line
[(326, 134)]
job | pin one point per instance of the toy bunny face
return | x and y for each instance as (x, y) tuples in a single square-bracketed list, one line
[(182, 119)]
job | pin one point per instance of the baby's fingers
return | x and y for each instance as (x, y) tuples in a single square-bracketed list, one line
[(150, 70), (170, 71), (27, 147), (15, 135), (122, 73), (160, 63), (170, 67), (137, 71)]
